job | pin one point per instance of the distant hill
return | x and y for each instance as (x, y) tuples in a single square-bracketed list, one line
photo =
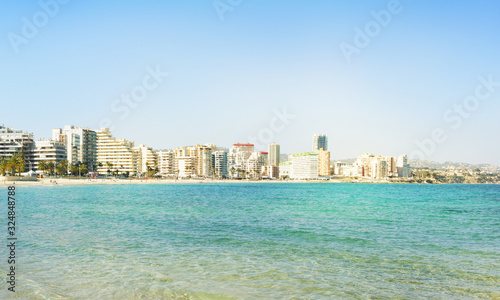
[(415, 163), (453, 165)]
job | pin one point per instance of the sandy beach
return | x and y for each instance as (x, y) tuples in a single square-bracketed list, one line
[(85, 181)]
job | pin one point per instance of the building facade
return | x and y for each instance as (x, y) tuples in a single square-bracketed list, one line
[(115, 155), (219, 164), (403, 168), (305, 166), (146, 159), (274, 154), (80, 142), (320, 141), (324, 163), (50, 151), (13, 141), (166, 163)]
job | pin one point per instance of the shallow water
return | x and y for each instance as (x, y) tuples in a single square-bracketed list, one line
[(256, 241)]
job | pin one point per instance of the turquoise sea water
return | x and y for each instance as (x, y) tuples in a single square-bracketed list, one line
[(256, 241)]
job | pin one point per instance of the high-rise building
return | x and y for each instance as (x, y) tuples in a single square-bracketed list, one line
[(305, 165), (274, 154), (166, 163), (379, 168), (403, 167), (14, 141), (186, 166), (80, 142), (219, 163), (202, 155), (320, 141), (323, 163), (238, 157), (146, 159), (114, 154)]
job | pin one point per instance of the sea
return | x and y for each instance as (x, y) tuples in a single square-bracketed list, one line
[(254, 241)]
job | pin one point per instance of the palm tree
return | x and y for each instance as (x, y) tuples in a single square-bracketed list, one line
[(50, 167), (73, 168), (62, 167), (11, 166), (19, 161), (83, 169), (43, 166), (110, 166), (232, 171), (3, 165)]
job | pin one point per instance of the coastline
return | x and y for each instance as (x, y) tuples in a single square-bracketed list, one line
[(113, 181)]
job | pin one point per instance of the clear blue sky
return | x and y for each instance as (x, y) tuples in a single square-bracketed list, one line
[(226, 77)]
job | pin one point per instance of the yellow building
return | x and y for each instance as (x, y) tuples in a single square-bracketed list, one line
[(198, 160), (114, 154), (324, 163)]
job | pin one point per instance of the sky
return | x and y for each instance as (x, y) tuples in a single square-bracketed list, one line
[(385, 77)]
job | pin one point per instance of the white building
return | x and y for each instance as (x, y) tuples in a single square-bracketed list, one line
[(48, 151), (379, 168), (219, 162), (146, 159), (305, 166), (285, 169), (253, 165), (80, 142), (351, 170), (13, 141), (238, 157), (403, 168), (337, 167), (166, 163), (186, 166)]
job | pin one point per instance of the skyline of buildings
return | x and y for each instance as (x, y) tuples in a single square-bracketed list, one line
[(103, 153)]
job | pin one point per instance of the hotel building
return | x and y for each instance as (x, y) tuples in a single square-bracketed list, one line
[(114, 154), (146, 159), (202, 160), (305, 166), (48, 151), (166, 163), (80, 142), (13, 141), (219, 164)]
